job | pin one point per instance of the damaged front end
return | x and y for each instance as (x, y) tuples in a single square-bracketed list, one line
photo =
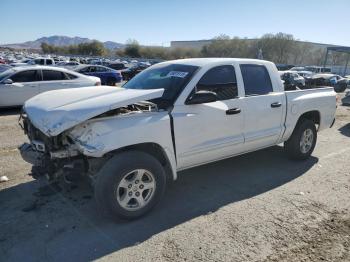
[(54, 123), (51, 156), (68, 155)]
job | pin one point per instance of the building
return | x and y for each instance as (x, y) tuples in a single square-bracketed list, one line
[(200, 43)]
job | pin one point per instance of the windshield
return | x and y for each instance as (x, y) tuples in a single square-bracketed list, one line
[(171, 77), (6, 74)]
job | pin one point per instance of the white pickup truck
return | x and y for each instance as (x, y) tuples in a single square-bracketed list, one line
[(173, 116)]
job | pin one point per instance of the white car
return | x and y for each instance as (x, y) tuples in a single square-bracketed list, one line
[(18, 84), (42, 61), (175, 115)]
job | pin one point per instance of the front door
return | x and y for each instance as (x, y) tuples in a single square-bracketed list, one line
[(210, 131), (25, 85)]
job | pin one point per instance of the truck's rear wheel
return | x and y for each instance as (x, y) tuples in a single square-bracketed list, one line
[(302, 142), (129, 185)]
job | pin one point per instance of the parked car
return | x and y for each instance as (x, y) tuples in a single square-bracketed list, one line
[(348, 78), (68, 64), (292, 80), (18, 84), (117, 66), (318, 69), (305, 74), (107, 75), (284, 67), (346, 99), (4, 67), (298, 68), (15, 64), (42, 61), (336, 81), (172, 116), (314, 69), (133, 70)]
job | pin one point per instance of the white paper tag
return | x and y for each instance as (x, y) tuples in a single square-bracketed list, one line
[(177, 74)]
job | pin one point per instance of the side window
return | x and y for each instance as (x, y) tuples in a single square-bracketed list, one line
[(49, 62), (100, 69), (256, 80), (85, 69), (51, 75), (70, 76), (93, 69), (25, 76), (221, 80)]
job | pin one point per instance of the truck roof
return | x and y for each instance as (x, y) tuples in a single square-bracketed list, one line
[(208, 61)]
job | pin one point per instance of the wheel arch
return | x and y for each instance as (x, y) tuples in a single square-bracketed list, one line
[(155, 150), (314, 116)]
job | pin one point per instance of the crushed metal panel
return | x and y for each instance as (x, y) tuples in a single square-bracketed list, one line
[(56, 111)]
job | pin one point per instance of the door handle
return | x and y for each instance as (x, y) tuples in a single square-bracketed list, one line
[(276, 104), (33, 85), (233, 111)]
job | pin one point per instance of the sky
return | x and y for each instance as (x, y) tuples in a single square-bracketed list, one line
[(157, 22)]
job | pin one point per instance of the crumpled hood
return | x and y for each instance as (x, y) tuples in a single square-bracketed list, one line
[(56, 111)]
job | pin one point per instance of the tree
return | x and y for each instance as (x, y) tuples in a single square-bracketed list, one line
[(224, 46), (277, 47), (44, 47), (132, 48)]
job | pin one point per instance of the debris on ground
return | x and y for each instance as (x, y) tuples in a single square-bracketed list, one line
[(4, 179)]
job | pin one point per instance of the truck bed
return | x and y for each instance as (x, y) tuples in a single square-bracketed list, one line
[(321, 100)]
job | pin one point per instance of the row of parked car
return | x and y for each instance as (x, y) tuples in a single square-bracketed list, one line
[(18, 84), (109, 71), (27, 77), (33, 75), (300, 77)]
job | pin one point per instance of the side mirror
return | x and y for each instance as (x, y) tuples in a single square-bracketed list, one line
[(8, 81), (202, 97)]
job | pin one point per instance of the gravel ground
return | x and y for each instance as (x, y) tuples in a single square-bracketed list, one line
[(257, 207)]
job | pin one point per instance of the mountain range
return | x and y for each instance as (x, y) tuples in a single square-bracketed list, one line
[(60, 41)]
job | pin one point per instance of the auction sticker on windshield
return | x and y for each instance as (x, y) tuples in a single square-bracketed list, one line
[(177, 74)]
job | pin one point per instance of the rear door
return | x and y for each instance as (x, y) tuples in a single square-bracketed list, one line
[(102, 73), (263, 107), (210, 131), (25, 85), (52, 80)]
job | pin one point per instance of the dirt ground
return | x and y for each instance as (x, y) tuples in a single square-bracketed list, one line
[(257, 207)]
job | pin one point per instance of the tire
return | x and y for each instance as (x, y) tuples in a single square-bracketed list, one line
[(340, 88), (294, 147), (117, 174), (111, 82)]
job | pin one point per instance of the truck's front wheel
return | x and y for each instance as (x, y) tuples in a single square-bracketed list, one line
[(130, 184), (302, 142)]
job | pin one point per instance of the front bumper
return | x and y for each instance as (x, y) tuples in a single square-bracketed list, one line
[(30, 155)]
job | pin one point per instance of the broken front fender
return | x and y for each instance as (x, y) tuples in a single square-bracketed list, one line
[(99, 136)]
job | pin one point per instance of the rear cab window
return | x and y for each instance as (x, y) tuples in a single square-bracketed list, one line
[(256, 80)]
